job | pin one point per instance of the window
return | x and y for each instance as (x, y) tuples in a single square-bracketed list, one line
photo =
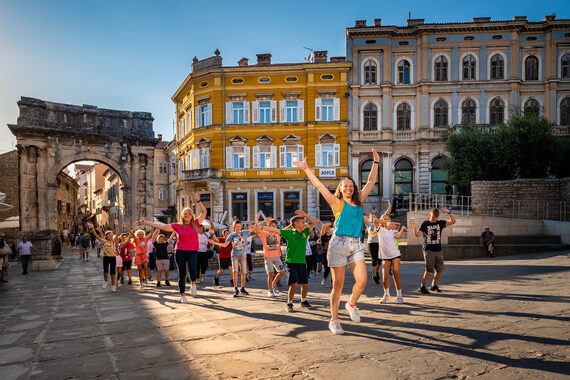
[(403, 43), (203, 115), (265, 203), (290, 153), (469, 38), (264, 156), (441, 39), (291, 79), (264, 80), (440, 114), (67, 186), (403, 177), (439, 176), (469, 65), (237, 157), (497, 67), (496, 112), (532, 107), (531, 38), (468, 109), (68, 208), (364, 173), (237, 81), (327, 77), (565, 66), (180, 126), (237, 112), (264, 112), (440, 68), (404, 117), (497, 37), (180, 168), (370, 117), (404, 72), (187, 120), (237, 109), (327, 109), (239, 206), (163, 168), (370, 72), (60, 205), (292, 112), (162, 193), (565, 111), (205, 157), (531, 68), (204, 84), (290, 203), (327, 155)]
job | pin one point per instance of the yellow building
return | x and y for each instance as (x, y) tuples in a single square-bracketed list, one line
[(240, 128)]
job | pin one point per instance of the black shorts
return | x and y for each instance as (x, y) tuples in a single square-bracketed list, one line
[(109, 263), (297, 273), (393, 258), (127, 264), (225, 263)]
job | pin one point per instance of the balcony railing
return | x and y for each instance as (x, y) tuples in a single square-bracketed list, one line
[(561, 130), (194, 174), (388, 135)]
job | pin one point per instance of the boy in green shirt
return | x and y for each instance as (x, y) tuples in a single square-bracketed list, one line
[(296, 236)]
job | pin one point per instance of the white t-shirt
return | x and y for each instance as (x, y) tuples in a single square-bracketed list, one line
[(372, 234), (149, 247), (387, 244), (202, 242), (308, 250), (248, 245), (25, 248)]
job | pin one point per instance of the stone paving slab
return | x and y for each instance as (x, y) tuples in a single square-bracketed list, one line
[(506, 318)]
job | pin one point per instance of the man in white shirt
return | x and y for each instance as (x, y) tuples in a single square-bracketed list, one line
[(24, 250)]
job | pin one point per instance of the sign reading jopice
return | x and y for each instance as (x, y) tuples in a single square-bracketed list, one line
[(327, 173)]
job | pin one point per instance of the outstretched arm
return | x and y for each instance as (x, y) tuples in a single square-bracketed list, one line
[(401, 232), (154, 235), (203, 211), (388, 210), (160, 226), (312, 222), (371, 177), (116, 239), (90, 226), (130, 231), (271, 229), (451, 220), (333, 201), (171, 237)]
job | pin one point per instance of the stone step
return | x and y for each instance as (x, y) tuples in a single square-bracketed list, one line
[(467, 251), (515, 239)]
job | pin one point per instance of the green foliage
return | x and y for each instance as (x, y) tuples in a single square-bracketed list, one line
[(525, 147)]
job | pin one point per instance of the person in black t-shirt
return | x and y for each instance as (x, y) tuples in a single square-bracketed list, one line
[(431, 246), (488, 238)]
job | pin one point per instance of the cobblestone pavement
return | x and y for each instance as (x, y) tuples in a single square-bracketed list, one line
[(502, 318)]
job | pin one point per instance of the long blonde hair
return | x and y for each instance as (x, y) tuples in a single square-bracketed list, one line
[(192, 220)]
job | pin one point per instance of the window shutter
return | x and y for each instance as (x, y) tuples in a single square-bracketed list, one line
[(255, 111), (336, 109), (318, 155), (246, 157), (229, 113), (256, 157), (274, 111), (300, 110), (197, 117), (209, 121), (204, 158), (282, 111), (318, 109), (229, 157), (300, 152), (246, 112), (336, 154), (273, 156), (195, 158), (282, 150)]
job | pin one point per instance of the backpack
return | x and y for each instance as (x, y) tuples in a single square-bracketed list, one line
[(85, 243)]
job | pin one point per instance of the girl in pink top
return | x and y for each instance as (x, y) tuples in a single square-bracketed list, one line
[(187, 246)]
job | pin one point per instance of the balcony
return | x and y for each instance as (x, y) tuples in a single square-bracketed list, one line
[(388, 135), (561, 130), (197, 174)]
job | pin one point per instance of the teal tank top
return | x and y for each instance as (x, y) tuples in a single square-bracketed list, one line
[(349, 221)]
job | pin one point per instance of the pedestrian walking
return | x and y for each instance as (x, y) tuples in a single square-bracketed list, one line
[(25, 249)]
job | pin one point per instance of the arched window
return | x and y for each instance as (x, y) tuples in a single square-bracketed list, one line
[(496, 112), (439, 176), (370, 117), (565, 111), (469, 65), (532, 107), (440, 69), (531, 68), (565, 66), (370, 72), (403, 177), (403, 72), (468, 109), (404, 116), (440, 114), (365, 172), (497, 67)]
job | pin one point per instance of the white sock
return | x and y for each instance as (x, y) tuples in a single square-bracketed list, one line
[(434, 283), (387, 292), (399, 292), (303, 299), (289, 302)]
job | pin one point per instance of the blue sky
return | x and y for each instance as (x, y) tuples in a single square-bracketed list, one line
[(132, 55)]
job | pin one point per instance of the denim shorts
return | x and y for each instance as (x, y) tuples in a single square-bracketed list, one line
[(344, 250)]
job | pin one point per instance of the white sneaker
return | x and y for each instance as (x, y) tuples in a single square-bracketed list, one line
[(275, 290), (142, 285), (105, 285), (324, 282), (270, 293), (183, 299), (335, 327), (114, 288), (145, 283), (385, 298), (400, 300), (193, 289), (353, 311)]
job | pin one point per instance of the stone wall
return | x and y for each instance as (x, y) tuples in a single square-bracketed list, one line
[(9, 182), (523, 198)]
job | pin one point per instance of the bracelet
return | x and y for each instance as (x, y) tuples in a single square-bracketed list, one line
[(199, 202), (377, 162)]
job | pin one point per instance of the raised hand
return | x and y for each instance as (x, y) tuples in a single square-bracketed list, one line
[(301, 164), (375, 155), (89, 224), (140, 222), (196, 196), (446, 210), (125, 226), (116, 222)]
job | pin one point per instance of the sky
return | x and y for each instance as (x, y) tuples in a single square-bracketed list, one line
[(133, 55)]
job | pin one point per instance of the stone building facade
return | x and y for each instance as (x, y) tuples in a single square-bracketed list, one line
[(161, 181), (408, 84), (9, 183), (66, 201)]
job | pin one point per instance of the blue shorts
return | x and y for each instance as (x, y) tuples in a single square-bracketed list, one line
[(297, 273)]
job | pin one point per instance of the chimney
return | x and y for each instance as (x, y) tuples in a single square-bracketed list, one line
[(264, 59), (481, 19), (360, 24), (551, 17), (519, 18), (377, 22), (243, 62), (338, 59), (321, 56), (159, 136), (415, 21)]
